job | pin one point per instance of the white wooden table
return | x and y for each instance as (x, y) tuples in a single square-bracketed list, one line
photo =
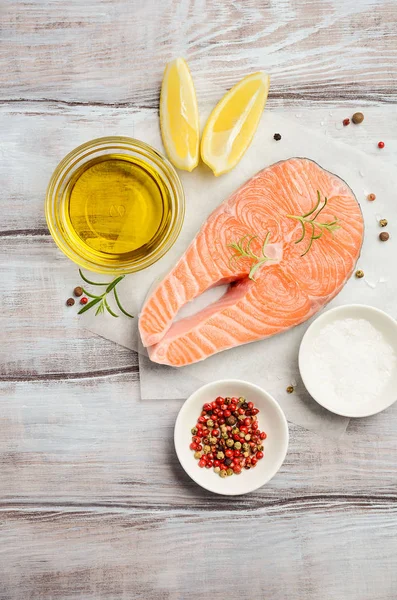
[(85, 512)]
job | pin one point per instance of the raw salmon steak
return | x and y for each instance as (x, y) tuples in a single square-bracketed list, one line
[(297, 278)]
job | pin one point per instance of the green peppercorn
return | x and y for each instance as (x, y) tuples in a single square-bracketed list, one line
[(213, 440), (246, 454), (225, 435), (247, 437), (229, 472), (194, 430), (241, 417), (223, 428), (198, 455), (217, 469), (207, 449), (260, 448), (237, 445), (383, 222), (210, 423), (241, 399), (235, 431), (290, 389), (229, 443), (359, 274), (246, 447), (222, 473), (220, 456)]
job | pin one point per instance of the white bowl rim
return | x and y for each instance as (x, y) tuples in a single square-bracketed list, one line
[(284, 441), (324, 315)]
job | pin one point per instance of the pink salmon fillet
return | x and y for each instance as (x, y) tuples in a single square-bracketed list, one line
[(288, 289)]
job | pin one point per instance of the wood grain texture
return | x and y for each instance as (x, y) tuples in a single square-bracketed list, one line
[(296, 551), (114, 51), (93, 503)]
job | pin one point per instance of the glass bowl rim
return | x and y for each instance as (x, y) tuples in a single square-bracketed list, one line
[(171, 180)]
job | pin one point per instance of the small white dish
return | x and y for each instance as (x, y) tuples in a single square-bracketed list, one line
[(385, 325), (271, 420)]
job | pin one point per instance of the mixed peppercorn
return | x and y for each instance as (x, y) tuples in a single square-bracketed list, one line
[(227, 436)]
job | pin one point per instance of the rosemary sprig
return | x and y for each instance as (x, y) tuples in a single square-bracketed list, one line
[(312, 222), (100, 301), (243, 250)]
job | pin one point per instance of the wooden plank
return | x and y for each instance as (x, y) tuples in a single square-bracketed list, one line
[(50, 131), (41, 338), (114, 52), (322, 549), (92, 442)]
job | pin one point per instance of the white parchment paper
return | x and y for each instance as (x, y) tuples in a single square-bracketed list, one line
[(271, 363)]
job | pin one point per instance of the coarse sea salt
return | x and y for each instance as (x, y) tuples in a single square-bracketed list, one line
[(352, 361)]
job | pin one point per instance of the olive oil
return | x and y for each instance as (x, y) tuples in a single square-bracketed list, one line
[(118, 206)]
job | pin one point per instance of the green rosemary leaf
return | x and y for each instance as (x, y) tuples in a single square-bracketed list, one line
[(89, 305), (254, 269), (244, 251), (114, 283), (303, 233), (304, 220), (120, 306), (109, 309), (89, 294), (84, 278), (313, 209), (99, 310)]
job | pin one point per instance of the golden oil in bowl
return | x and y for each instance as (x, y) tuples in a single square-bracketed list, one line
[(115, 205)]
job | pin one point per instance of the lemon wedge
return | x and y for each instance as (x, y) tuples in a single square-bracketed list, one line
[(179, 118), (233, 122)]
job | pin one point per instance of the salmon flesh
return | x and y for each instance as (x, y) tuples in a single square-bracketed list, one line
[(282, 263)]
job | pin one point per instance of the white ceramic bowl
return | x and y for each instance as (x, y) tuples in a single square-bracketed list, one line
[(385, 324), (271, 419)]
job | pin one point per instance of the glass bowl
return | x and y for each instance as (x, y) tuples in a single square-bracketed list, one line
[(100, 259)]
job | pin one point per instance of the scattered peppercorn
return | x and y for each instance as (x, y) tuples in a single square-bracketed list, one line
[(290, 389), (78, 291), (70, 302), (381, 144), (359, 274), (229, 472), (277, 137), (83, 300), (346, 122), (384, 236), (357, 118), (383, 222), (222, 473), (371, 197)]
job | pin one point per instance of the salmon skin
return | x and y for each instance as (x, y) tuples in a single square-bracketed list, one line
[(289, 287)]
